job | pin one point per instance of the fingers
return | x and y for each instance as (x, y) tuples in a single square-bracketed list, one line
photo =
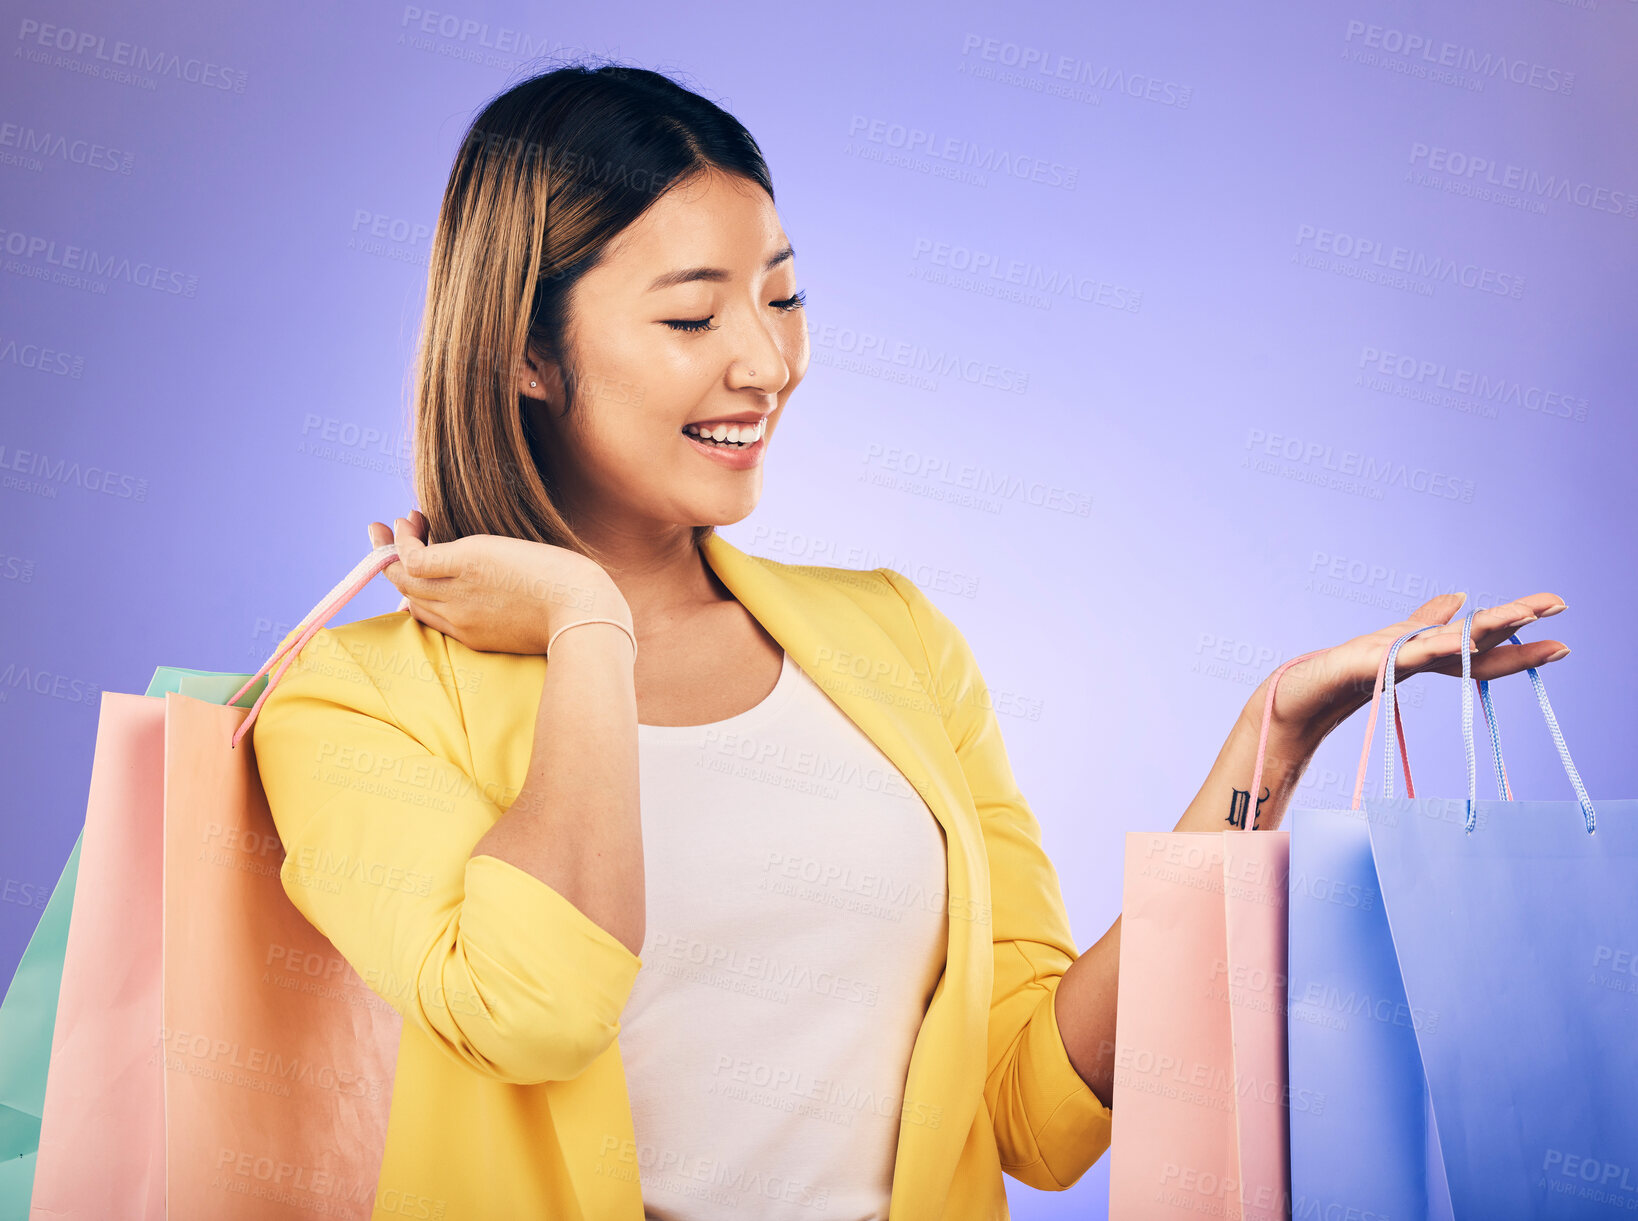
[(409, 573), (421, 612), (1441, 649), (1503, 660), (380, 536), (440, 561), (1437, 609), (419, 575), (1496, 624)]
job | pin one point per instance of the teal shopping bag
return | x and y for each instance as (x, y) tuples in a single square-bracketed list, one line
[(28, 1015)]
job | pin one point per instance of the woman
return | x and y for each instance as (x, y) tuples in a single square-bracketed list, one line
[(829, 969)]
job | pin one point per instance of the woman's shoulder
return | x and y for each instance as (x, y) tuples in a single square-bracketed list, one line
[(865, 585), (899, 606), (886, 594), (411, 667)]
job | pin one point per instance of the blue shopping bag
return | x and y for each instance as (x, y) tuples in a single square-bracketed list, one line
[(1519, 927), (1363, 1144), (1460, 990)]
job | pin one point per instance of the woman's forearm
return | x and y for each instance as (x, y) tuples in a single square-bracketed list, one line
[(1085, 1004), (575, 823)]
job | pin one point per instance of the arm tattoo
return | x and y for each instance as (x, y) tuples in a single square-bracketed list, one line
[(1237, 807)]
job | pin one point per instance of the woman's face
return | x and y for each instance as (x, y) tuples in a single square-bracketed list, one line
[(690, 322)]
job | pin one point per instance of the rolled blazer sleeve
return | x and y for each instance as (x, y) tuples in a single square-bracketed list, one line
[(1050, 1126), (497, 967)]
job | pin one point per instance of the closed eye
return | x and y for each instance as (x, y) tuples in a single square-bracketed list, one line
[(695, 325)]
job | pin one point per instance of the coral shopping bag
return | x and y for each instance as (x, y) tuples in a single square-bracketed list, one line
[(28, 1015), (1496, 1055), (212, 1055), (1200, 1084)]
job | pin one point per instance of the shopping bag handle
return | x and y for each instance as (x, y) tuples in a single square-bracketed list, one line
[(340, 594), (1504, 788), (1588, 814), (1268, 715), (1386, 682), (1262, 737), (1385, 686)]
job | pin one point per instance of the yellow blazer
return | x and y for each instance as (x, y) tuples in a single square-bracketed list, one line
[(393, 747)]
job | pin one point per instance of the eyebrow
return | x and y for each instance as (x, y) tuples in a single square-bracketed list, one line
[(689, 274)]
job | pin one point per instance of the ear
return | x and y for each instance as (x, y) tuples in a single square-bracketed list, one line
[(539, 377)]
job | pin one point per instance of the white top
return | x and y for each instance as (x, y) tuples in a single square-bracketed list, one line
[(796, 931)]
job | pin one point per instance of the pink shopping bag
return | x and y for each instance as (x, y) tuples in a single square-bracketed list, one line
[(214, 1055), (102, 1136), (1201, 1093), (1173, 1142)]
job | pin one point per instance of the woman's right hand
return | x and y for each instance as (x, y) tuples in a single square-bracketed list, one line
[(492, 593)]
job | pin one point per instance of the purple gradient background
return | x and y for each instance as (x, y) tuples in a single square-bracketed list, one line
[(262, 413)]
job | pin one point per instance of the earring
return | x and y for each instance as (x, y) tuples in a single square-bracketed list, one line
[(532, 383)]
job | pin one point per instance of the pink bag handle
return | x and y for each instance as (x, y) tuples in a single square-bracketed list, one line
[(1383, 681), (362, 574), (1262, 737), (1386, 684), (1268, 714)]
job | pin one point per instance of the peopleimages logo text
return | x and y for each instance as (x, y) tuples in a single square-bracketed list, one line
[(1488, 388), (1356, 249), (1412, 45), (1389, 472), (1560, 188)]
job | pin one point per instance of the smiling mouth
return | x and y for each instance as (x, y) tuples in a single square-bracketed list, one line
[(727, 436)]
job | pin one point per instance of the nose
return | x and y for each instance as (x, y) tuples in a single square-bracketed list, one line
[(760, 362)]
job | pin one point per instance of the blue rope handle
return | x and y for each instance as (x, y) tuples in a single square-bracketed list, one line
[(1589, 816), (1503, 791)]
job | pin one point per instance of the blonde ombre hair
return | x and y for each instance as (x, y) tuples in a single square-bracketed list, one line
[(547, 175)]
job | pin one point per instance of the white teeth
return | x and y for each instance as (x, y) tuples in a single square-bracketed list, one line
[(742, 434)]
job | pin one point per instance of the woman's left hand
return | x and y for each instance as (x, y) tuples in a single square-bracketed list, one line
[(1316, 695)]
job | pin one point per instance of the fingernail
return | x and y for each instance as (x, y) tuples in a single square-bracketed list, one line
[(1523, 621), (1560, 655), (1552, 610)]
